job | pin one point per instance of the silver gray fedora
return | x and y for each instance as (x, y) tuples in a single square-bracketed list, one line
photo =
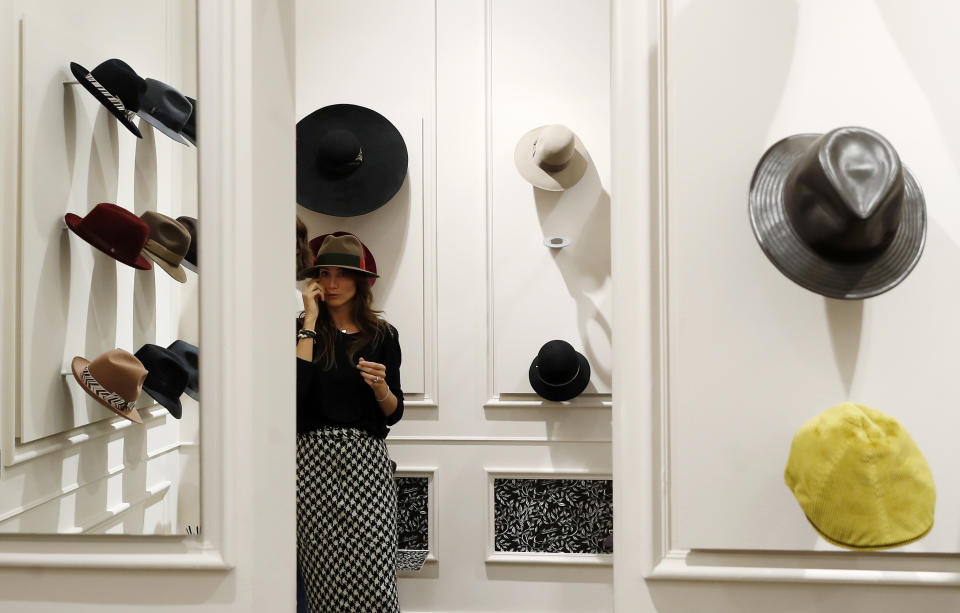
[(837, 213)]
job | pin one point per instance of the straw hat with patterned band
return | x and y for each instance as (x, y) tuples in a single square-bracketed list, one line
[(114, 379), (369, 263), (559, 372), (165, 109), (837, 213), (115, 231), (551, 157), (168, 243), (350, 160), (117, 86), (342, 252)]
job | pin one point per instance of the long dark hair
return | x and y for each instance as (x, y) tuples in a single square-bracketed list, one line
[(371, 328), (305, 255)]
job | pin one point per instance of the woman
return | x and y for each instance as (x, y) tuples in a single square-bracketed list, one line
[(348, 393)]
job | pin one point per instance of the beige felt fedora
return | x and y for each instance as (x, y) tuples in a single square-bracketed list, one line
[(551, 157), (344, 251), (168, 243), (113, 379)]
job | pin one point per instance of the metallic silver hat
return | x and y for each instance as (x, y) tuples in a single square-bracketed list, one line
[(837, 213)]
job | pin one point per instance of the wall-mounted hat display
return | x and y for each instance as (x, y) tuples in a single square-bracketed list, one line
[(117, 86), (344, 251), (551, 157), (165, 108), (190, 257), (189, 130), (190, 357), (113, 379), (167, 243), (838, 213), (559, 372), (860, 479), (350, 160), (115, 231), (166, 376), (369, 264)]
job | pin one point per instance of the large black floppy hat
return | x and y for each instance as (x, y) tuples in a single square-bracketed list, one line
[(117, 86), (166, 376), (350, 160), (190, 355), (837, 213), (559, 372)]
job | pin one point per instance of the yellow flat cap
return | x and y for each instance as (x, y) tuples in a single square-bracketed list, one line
[(860, 479)]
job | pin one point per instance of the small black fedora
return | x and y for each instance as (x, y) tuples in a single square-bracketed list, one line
[(189, 130), (166, 376), (117, 86), (559, 372), (350, 160), (165, 109), (190, 355), (190, 260)]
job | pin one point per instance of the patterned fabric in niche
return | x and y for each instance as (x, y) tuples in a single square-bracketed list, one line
[(412, 513)]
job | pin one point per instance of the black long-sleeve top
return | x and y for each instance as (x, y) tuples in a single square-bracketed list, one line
[(340, 397)]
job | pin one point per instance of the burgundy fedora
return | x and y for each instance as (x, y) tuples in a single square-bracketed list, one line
[(115, 231), (369, 263)]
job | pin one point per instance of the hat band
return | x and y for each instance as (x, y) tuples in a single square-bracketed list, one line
[(116, 102), (568, 382), (552, 167), (338, 259), (162, 252), (112, 398)]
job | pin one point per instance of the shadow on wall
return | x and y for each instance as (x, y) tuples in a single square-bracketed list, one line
[(582, 213), (145, 199)]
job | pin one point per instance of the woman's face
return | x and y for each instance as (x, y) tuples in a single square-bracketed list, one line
[(338, 288)]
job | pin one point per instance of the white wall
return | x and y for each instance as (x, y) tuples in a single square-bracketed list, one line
[(476, 292), (69, 464)]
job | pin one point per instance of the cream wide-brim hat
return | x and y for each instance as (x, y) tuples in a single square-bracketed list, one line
[(553, 181)]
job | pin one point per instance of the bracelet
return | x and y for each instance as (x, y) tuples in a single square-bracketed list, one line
[(305, 333), (385, 396)]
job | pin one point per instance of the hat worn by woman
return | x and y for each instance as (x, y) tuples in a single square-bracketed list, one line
[(115, 231), (350, 160), (860, 479), (113, 379), (165, 109), (190, 257), (838, 213), (167, 244), (559, 372), (369, 263), (166, 376), (551, 157), (342, 252), (117, 86), (190, 357)]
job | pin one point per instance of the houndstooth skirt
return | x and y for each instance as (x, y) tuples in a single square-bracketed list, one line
[(346, 522)]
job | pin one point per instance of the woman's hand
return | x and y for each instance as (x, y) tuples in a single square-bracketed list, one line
[(374, 375), (312, 296)]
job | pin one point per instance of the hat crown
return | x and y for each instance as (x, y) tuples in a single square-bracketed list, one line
[(347, 244), (845, 196), (122, 81), (339, 151), (168, 233), (165, 369), (121, 232), (187, 352), (554, 146), (557, 362), (165, 103), (120, 372)]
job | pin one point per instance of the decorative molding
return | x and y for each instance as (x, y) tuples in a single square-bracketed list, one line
[(493, 556), (430, 474), (101, 520), (487, 173), (532, 401)]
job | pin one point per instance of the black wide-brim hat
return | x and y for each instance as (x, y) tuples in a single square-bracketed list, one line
[(371, 184), (809, 269), (190, 355), (567, 389), (166, 376), (125, 104)]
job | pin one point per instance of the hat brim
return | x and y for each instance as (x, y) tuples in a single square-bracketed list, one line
[(162, 127), (73, 222), (77, 366), (901, 543), (170, 403), (81, 74), (801, 264), (174, 271), (560, 393), (557, 181), (372, 184), (193, 393)]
